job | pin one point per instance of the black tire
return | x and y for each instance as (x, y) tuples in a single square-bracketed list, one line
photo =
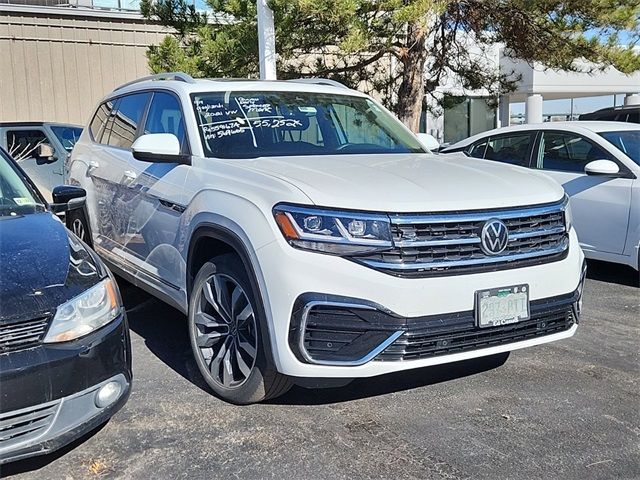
[(223, 335), (76, 221)]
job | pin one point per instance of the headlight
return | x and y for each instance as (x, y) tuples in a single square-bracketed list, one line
[(335, 232), (568, 219), (85, 313)]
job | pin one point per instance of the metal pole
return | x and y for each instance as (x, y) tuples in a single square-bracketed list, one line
[(571, 115), (266, 41)]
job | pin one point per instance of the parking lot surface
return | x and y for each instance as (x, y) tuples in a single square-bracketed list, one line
[(566, 410)]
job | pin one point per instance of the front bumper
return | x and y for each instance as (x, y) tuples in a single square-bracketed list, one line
[(407, 298), (48, 394)]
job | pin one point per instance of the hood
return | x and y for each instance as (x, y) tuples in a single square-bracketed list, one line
[(411, 182), (42, 265)]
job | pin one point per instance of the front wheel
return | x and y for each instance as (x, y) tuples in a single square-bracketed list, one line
[(77, 222), (227, 336)]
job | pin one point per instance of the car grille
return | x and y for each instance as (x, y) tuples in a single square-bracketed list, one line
[(433, 244), (462, 335), (26, 424), (22, 335)]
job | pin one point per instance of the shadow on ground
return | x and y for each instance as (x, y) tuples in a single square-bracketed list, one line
[(164, 331), (36, 463), (612, 273)]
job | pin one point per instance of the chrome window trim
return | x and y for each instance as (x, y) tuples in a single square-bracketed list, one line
[(343, 363)]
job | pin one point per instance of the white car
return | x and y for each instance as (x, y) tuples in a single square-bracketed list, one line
[(597, 163), (307, 234)]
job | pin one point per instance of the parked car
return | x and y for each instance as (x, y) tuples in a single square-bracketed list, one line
[(41, 149), (65, 360), (597, 163), (629, 113), (308, 234)]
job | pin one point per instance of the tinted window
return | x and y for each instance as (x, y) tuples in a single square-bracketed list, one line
[(477, 149), (252, 124), (511, 149), (567, 152), (100, 120), (633, 117), (23, 144), (125, 121), (67, 136), (165, 116), (627, 141)]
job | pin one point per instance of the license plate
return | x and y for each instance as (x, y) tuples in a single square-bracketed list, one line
[(502, 306)]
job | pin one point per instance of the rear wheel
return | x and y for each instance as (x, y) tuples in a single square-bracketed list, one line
[(228, 334), (77, 222)]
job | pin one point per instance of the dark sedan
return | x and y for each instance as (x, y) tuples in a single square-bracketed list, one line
[(65, 354)]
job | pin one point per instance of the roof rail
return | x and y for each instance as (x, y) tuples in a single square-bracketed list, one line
[(319, 81), (179, 76)]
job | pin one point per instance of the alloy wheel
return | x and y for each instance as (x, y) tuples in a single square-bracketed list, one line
[(225, 331)]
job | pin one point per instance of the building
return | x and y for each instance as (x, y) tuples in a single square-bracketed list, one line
[(58, 61), (471, 112)]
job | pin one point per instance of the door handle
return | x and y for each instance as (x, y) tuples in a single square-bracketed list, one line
[(92, 166), (129, 177)]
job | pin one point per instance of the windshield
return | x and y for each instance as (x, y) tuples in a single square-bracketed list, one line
[(628, 141), (16, 196), (255, 124), (68, 136)]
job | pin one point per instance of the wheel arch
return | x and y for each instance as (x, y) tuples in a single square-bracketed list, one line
[(210, 239)]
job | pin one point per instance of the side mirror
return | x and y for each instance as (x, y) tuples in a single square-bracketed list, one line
[(67, 197), (45, 154), (602, 167), (428, 141), (159, 148)]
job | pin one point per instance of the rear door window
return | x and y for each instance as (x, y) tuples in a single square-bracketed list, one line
[(128, 115), (477, 149), (512, 149)]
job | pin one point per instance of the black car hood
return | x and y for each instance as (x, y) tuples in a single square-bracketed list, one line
[(42, 265)]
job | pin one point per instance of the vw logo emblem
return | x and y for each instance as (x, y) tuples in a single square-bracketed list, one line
[(494, 237)]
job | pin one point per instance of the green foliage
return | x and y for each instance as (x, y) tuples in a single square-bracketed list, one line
[(382, 46)]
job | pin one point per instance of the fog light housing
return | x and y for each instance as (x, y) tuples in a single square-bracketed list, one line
[(107, 394)]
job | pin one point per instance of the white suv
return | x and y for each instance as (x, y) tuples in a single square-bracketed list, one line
[(307, 233)]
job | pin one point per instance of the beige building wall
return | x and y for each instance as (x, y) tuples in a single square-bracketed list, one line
[(56, 63)]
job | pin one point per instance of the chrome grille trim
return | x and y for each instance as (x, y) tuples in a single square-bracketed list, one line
[(463, 217), (442, 243), (478, 261)]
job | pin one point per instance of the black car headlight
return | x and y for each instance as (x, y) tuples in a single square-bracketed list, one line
[(85, 313), (334, 232)]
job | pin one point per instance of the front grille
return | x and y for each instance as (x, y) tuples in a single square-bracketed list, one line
[(463, 335), (16, 336), (432, 244), (26, 424)]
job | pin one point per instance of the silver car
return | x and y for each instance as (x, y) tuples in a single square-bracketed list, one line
[(41, 149)]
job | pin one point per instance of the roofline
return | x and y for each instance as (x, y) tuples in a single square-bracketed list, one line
[(37, 123)]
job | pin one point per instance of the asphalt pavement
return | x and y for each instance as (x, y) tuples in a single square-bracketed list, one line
[(567, 410)]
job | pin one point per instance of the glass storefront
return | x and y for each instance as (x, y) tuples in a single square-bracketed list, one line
[(465, 116)]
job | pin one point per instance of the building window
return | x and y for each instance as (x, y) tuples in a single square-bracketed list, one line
[(465, 116)]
